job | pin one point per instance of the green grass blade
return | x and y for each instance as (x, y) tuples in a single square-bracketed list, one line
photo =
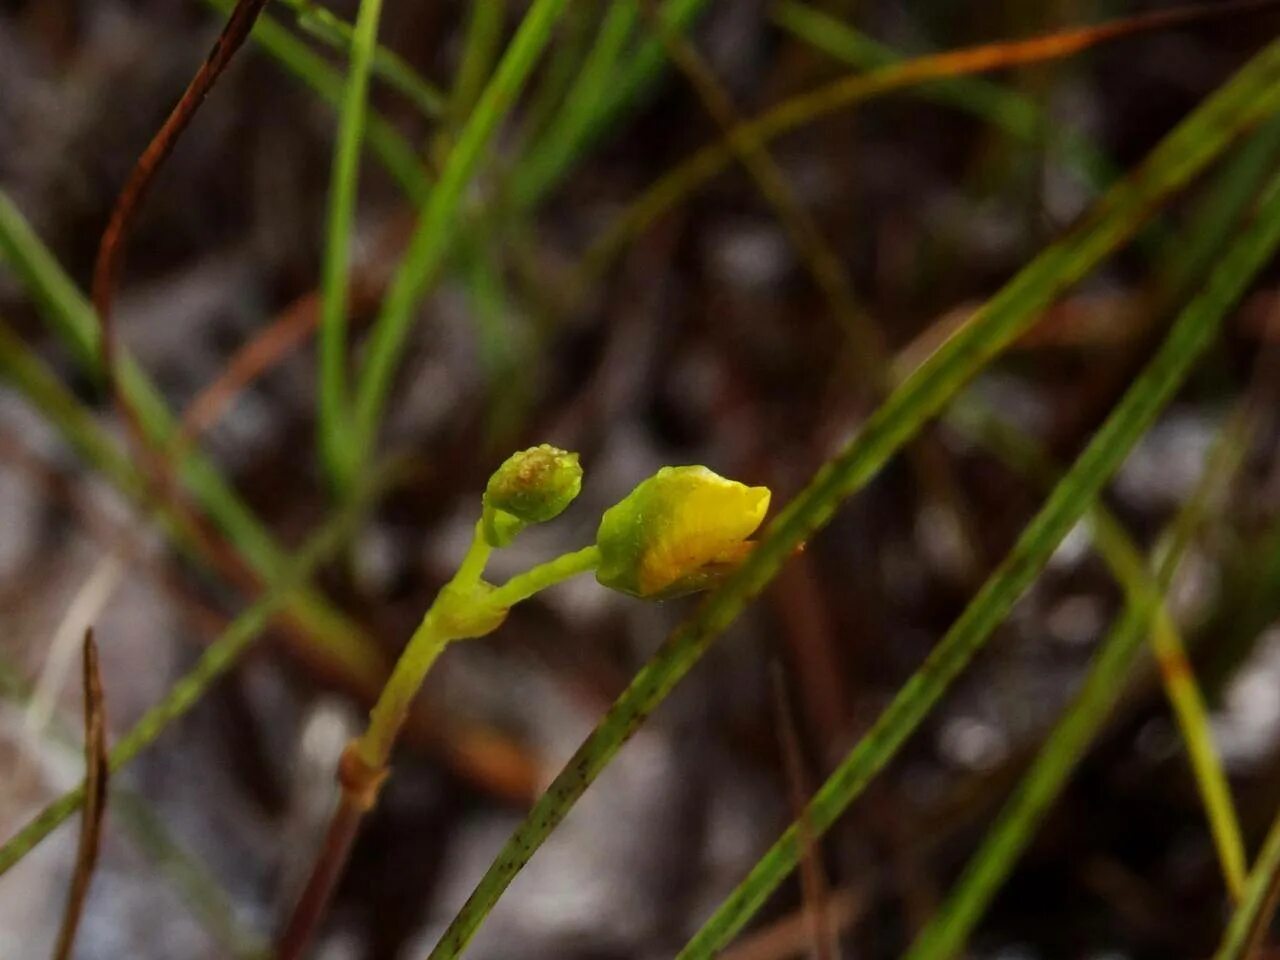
[(434, 235), (1217, 213), (1014, 113), (69, 315), (386, 143), (552, 158), (1191, 333), (1248, 925), (334, 408), (1141, 590), (221, 655), (1015, 826), (204, 896), (561, 141), (1251, 94), (332, 30), (480, 46)]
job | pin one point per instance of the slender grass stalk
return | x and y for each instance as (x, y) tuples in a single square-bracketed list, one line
[(1013, 113), (1190, 335), (208, 902), (436, 228), (585, 100), (479, 47), (386, 143), (70, 316), (1146, 592), (334, 408), (676, 185), (1201, 137), (590, 116), (464, 607), (1247, 928), (330, 29), (220, 657), (95, 805)]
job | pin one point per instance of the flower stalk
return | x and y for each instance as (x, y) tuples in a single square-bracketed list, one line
[(677, 532)]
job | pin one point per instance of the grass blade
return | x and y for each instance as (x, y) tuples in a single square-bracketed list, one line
[(332, 30), (678, 183), (394, 152), (333, 408), (65, 309), (1248, 925), (95, 805), (220, 657), (433, 237), (1198, 140), (1190, 335), (1111, 666), (1010, 111), (601, 94)]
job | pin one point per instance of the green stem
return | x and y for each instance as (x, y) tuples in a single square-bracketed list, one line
[(435, 234), (334, 406), (336, 33), (471, 569), (1191, 333), (546, 575), (1248, 924), (387, 716)]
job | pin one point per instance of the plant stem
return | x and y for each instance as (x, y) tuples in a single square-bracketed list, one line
[(334, 408), (464, 607), (545, 575)]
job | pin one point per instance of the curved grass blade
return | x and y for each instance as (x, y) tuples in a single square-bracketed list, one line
[(1010, 111), (220, 657), (606, 87), (1248, 925), (208, 902), (333, 406), (1198, 140), (433, 237), (1191, 333), (399, 159), (1142, 590), (673, 187), (338, 641), (1111, 667), (330, 29)]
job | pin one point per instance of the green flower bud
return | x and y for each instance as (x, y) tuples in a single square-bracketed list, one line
[(532, 486), (682, 530)]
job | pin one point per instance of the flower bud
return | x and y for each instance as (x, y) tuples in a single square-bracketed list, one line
[(682, 530), (532, 486)]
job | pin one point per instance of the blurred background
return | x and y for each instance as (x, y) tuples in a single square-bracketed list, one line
[(701, 337)]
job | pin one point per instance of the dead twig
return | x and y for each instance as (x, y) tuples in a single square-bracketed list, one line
[(95, 805)]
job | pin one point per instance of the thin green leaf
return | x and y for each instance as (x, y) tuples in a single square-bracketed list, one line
[(480, 45), (333, 421), (1191, 333), (434, 235), (604, 90), (391, 149), (69, 314), (1248, 925), (1012, 112), (221, 656), (332, 30), (1198, 140)]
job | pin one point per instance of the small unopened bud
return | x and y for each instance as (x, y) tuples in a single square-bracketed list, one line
[(682, 530), (532, 486)]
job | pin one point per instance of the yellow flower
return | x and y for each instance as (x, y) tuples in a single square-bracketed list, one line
[(680, 531)]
